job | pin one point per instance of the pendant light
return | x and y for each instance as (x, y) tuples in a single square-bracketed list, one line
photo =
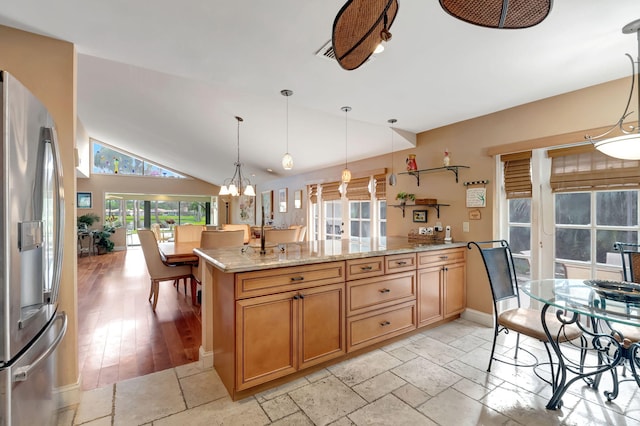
[(287, 159), (346, 173), (237, 185), (626, 146), (392, 176)]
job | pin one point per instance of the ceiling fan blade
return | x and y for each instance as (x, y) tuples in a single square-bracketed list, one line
[(509, 14), (358, 27)]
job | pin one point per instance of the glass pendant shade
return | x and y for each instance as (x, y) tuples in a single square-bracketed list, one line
[(625, 147), (392, 179), (224, 190), (287, 161), (248, 190), (346, 176)]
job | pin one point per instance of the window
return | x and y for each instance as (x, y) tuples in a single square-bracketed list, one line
[(333, 219), (110, 161), (520, 235), (360, 221), (382, 218)]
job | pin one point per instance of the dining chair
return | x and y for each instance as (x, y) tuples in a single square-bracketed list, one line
[(212, 240), (158, 271), (187, 233), (498, 262), (280, 236), (155, 227), (244, 227)]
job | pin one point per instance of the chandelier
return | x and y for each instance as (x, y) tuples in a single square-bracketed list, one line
[(626, 146), (237, 184)]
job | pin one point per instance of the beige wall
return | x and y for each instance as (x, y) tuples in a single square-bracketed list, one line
[(468, 142), (48, 68)]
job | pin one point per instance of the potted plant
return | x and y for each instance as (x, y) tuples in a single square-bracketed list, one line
[(404, 196), (102, 239), (86, 221)]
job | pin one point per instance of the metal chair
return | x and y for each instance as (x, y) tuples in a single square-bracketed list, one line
[(158, 271), (498, 262)]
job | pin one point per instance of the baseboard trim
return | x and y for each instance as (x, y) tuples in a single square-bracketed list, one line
[(68, 395), (478, 317), (205, 359)]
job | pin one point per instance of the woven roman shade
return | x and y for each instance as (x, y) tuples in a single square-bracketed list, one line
[(583, 168), (312, 190), (381, 186), (330, 191), (358, 189), (517, 174), (510, 14)]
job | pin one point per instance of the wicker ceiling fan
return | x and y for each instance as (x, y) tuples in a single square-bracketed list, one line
[(361, 25)]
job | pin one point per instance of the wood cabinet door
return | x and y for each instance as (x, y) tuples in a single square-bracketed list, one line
[(429, 295), (455, 297), (321, 315), (267, 339)]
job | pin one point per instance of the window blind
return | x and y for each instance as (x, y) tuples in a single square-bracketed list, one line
[(312, 190), (517, 174), (381, 186), (358, 189), (330, 191), (585, 168)]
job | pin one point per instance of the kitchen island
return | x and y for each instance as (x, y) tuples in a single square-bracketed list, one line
[(269, 318)]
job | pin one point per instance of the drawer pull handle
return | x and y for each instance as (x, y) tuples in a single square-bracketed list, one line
[(385, 323), (366, 268), (297, 278), (298, 296), (444, 257), (385, 290), (401, 262)]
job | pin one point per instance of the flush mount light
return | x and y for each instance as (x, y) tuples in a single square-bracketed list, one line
[(627, 145), (507, 14)]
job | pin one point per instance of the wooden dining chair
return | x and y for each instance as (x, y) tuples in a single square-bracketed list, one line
[(212, 240), (187, 233), (158, 271), (280, 236), (501, 272)]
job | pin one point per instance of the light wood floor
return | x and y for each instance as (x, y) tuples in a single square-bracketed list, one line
[(119, 336)]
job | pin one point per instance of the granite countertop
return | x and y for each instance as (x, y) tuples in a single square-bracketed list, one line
[(248, 258)]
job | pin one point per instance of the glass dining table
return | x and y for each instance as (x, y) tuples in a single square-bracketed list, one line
[(607, 312)]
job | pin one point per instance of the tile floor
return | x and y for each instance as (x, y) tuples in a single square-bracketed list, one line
[(436, 377)]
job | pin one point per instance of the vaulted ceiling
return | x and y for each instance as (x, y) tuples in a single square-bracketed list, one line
[(164, 79)]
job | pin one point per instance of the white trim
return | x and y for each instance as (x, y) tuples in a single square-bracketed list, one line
[(205, 359), (478, 317), (68, 395)]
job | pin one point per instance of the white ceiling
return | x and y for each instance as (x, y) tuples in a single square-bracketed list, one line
[(164, 79)]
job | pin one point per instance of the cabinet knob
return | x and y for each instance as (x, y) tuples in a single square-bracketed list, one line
[(297, 278), (296, 297), (384, 323), (385, 290), (444, 257), (366, 268), (401, 262)]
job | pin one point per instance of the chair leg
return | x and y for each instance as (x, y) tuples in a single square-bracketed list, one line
[(194, 286), (515, 356), (493, 346), (156, 288), (150, 290)]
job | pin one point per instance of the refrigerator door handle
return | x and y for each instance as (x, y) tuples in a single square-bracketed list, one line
[(22, 373)]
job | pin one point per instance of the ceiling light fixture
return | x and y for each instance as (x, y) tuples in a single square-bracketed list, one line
[(392, 176), (626, 146), (346, 173), (359, 28), (237, 185), (507, 14), (287, 159)]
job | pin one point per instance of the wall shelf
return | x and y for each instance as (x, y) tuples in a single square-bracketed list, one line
[(417, 173), (434, 206)]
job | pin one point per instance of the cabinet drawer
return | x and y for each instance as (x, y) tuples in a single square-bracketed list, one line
[(441, 257), (399, 263), (373, 327), (373, 293), (269, 281), (365, 268)]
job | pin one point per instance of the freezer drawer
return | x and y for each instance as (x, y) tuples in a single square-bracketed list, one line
[(27, 384)]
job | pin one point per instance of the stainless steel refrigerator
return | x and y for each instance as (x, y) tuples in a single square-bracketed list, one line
[(31, 236)]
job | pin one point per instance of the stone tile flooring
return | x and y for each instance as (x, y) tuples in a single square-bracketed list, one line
[(437, 377)]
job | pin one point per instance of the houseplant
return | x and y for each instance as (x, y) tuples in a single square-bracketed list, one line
[(102, 239), (86, 221), (404, 196)]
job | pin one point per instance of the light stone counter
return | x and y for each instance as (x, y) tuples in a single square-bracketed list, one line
[(249, 259)]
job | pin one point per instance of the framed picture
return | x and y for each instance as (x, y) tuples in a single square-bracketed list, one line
[(247, 209), (419, 215), (297, 199), (282, 200), (267, 205), (84, 200)]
